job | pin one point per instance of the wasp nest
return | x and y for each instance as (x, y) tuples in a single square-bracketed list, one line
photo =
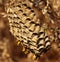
[(29, 23)]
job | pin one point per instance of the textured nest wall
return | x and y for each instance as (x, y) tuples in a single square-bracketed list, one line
[(9, 51)]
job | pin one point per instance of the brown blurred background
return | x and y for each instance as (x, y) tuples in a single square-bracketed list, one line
[(10, 52)]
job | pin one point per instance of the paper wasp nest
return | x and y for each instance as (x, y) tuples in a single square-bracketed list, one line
[(29, 24)]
